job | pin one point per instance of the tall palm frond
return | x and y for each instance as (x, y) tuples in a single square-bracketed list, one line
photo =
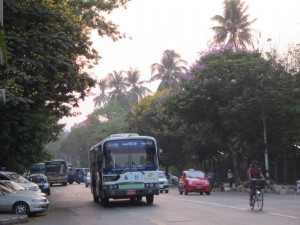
[(234, 26), (136, 91), (102, 98), (116, 82), (169, 71)]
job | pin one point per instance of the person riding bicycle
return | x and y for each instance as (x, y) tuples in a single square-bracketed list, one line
[(254, 172)]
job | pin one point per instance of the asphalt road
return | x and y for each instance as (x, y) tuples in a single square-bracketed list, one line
[(73, 205)]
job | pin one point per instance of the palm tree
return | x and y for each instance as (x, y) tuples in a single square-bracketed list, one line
[(234, 26), (136, 91), (169, 71), (116, 82), (102, 98)]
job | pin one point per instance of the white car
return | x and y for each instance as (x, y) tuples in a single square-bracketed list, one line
[(20, 203), (163, 182), (87, 180), (7, 175)]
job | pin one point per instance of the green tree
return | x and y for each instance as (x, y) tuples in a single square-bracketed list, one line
[(116, 81), (169, 71), (149, 118), (48, 51), (102, 98), (136, 90), (75, 147), (227, 94), (234, 26)]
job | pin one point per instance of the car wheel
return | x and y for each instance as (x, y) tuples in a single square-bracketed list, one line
[(86, 185), (21, 208), (208, 193), (186, 192), (180, 192), (201, 193), (49, 192), (160, 191), (71, 182), (167, 191), (95, 198)]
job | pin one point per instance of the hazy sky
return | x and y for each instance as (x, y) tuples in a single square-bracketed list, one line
[(184, 26)]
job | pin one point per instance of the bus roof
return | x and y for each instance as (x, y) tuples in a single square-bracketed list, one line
[(120, 137)]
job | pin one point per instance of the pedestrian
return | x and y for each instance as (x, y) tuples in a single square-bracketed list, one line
[(230, 178)]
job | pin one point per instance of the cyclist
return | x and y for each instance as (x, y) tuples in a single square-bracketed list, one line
[(254, 172)]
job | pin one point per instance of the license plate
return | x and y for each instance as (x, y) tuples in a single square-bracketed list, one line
[(131, 192)]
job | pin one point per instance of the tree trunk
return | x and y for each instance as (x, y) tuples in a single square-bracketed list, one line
[(285, 169), (235, 163)]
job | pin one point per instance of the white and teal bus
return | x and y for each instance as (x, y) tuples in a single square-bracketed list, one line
[(56, 171), (124, 166)]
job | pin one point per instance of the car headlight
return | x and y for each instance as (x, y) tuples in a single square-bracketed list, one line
[(206, 182), (190, 182)]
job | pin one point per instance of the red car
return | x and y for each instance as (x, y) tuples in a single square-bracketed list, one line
[(193, 181)]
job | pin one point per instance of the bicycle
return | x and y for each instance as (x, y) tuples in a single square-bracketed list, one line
[(258, 193), (218, 185)]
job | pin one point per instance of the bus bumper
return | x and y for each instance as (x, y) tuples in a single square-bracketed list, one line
[(129, 193)]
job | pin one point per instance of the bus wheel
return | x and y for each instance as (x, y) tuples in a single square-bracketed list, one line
[(96, 199), (149, 199)]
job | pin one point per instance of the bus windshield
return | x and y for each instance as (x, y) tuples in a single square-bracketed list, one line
[(54, 167), (38, 168), (129, 155)]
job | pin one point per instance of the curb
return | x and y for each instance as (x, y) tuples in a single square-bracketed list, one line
[(11, 220)]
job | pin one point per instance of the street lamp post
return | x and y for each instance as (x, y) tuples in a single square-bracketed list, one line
[(266, 154), (266, 146), (265, 136)]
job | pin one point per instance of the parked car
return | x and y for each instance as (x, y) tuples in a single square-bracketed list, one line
[(19, 188), (87, 180), (7, 175), (20, 203), (163, 182), (79, 175), (194, 181), (42, 181)]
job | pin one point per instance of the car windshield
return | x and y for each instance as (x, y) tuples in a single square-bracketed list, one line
[(17, 178), (12, 185), (195, 174), (6, 190)]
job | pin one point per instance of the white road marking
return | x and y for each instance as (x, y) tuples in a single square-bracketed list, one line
[(284, 215), (231, 207)]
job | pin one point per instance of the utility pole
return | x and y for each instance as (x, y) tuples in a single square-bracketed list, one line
[(265, 136)]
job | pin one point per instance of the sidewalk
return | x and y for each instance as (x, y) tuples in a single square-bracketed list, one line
[(6, 219)]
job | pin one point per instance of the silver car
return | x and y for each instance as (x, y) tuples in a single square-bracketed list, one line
[(21, 204), (163, 182), (7, 175), (19, 188)]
